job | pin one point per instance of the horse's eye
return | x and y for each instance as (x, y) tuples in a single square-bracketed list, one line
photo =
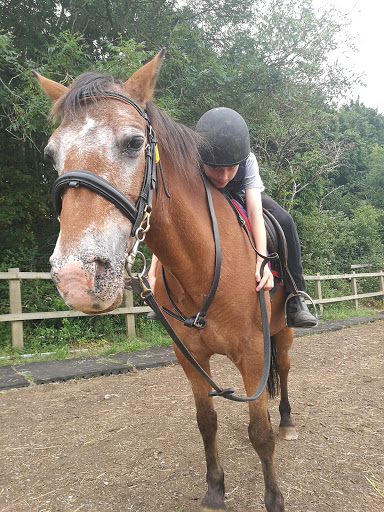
[(133, 146)]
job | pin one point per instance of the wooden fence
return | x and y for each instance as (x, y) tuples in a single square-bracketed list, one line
[(355, 296), (16, 315)]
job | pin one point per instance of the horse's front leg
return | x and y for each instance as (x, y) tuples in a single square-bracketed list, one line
[(284, 340), (207, 423), (261, 433)]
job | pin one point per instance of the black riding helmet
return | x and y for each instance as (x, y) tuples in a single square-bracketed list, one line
[(228, 137)]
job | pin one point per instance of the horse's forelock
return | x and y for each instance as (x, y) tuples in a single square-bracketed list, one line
[(89, 84)]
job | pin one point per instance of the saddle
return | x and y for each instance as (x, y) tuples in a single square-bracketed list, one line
[(276, 242), (276, 239)]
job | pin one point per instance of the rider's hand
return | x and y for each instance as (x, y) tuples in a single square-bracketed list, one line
[(152, 281), (267, 281)]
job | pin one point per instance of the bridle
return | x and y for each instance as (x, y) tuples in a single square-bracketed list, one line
[(139, 215)]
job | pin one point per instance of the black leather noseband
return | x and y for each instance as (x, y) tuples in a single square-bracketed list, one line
[(88, 179)]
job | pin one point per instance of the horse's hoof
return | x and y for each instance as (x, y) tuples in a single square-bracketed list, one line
[(212, 503), (288, 433)]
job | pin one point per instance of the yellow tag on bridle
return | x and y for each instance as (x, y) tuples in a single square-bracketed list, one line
[(157, 154)]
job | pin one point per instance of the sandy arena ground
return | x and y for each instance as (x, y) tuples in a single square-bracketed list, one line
[(130, 442)]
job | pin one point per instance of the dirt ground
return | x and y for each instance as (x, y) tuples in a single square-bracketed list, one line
[(130, 442)]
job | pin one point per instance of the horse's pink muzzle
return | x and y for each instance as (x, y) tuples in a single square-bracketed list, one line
[(89, 286)]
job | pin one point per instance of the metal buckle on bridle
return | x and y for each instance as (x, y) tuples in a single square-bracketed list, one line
[(199, 322), (145, 221), (140, 237)]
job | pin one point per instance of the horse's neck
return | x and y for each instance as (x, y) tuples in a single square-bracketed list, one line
[(181, 232)]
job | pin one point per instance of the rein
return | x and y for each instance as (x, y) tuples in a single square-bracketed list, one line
[(199, 320), (139, 215), (141, 286)]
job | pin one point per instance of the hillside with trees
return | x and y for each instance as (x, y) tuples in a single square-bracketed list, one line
[(322, 159)]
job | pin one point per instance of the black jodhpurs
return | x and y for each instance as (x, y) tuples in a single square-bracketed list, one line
[(293, 244)]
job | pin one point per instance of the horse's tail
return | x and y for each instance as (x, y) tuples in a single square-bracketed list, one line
[(273, 379)]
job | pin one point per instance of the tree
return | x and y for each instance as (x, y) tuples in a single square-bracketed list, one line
[(374, 181), (268, 60), (272, 68), (360, 131)]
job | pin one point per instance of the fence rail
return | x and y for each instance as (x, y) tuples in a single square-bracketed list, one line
[(352, 277), (16, 315)]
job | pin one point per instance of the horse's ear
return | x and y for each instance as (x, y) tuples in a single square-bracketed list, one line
[(52, 89), (141, 84)]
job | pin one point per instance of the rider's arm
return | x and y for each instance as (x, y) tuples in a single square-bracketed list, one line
[(253, 185), (255, 217), (152, 272)]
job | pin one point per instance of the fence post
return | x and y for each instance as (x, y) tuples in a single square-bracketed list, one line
[(129, 317), (319, 293), (15, 307), (381, 280), (354, 290)]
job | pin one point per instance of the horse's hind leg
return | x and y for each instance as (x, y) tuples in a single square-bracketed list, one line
[(207, 423), (262, 437), (284, 340)]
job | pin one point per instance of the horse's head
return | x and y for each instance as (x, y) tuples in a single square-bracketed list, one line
[(107, 137)]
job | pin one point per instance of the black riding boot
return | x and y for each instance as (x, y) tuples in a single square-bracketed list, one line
[(298, 314)]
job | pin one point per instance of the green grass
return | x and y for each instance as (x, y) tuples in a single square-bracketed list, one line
[(347, 310), (87, 336), (79, 338)]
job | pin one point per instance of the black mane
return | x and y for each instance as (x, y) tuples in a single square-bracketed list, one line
[(179, 141)]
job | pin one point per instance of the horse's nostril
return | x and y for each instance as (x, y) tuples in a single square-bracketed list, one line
[(100, 267)]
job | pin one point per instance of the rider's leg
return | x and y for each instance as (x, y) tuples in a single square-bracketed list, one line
[(298, 314)]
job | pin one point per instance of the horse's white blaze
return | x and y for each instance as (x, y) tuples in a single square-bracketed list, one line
[(92, 139), (88, 126)]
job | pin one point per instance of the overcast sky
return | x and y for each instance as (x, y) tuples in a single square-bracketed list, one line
[(368, 29)]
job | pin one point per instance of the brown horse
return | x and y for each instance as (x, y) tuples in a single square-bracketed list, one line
[(108, 138)]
